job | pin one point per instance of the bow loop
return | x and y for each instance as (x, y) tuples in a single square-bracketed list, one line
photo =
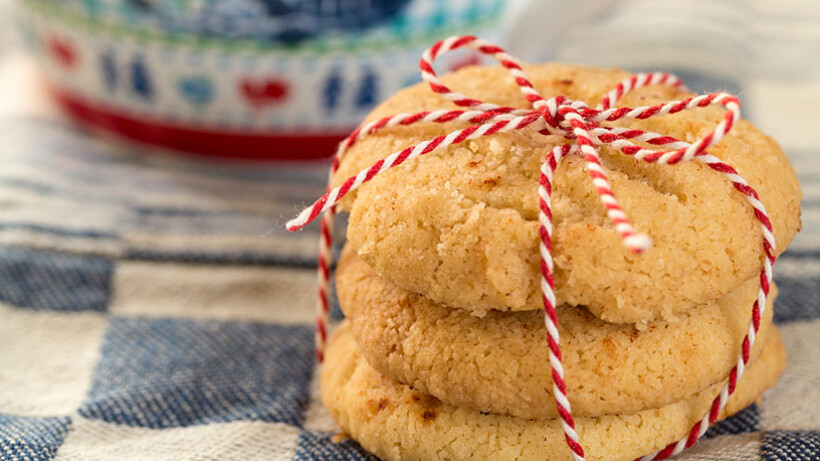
[(428, 74)]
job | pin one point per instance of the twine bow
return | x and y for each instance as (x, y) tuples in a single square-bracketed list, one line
[(582, 126)]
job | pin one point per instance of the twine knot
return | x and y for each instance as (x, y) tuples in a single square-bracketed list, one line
[(555, 112)]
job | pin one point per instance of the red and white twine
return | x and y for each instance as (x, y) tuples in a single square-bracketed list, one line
[(582, 126)]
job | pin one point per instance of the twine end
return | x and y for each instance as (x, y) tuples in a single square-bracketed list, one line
[(293, 225), (638, 243)]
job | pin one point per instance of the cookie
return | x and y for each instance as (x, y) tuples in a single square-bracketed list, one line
[(460, 225), (500, 363), (396, 422)]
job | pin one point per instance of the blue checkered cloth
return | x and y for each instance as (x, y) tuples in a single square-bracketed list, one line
[(153, 307)]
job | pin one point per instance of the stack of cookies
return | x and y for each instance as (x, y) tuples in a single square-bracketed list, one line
[(443, 354)]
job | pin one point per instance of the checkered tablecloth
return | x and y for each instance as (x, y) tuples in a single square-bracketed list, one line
[(153, 308)]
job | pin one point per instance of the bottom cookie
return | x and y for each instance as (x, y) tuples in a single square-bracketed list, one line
[(395, 422)]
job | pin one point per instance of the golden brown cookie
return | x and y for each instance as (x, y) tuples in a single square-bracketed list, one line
[(460, 225), (500, 363), (398, 423)]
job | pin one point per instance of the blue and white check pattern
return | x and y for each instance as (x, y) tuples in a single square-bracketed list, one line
[(153, 307), (182, 330)]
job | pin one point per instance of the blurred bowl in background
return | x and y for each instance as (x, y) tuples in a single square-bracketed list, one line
[(261, 79)]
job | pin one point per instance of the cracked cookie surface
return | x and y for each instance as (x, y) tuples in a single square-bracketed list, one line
[(500, 363), (398, 423), (459, 225)]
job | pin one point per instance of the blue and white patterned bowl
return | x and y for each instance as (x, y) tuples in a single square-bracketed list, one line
[(297, 71)]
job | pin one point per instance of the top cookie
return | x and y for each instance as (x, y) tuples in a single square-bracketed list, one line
[(460, 226)]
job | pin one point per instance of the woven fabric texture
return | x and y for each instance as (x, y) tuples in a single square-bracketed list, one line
[(154, 307)]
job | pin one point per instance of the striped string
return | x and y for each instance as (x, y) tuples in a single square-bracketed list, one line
[(582, 127)]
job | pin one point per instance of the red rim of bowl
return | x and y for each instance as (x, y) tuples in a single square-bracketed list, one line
[(232, 144)]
